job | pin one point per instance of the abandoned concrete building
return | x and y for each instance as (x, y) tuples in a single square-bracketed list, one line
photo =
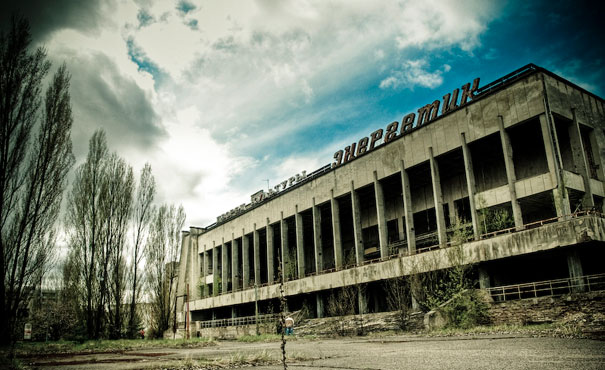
[(528, 148)]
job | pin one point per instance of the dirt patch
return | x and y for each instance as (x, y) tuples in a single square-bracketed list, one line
[(90, 358), (148, 354), (82, 362)]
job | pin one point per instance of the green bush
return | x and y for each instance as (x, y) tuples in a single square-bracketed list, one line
[(466, 310)]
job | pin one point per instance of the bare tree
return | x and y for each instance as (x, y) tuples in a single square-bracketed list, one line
[(116, 208), (32, 172), (341, 303), (398, 298), (162, 253), (142, 215)]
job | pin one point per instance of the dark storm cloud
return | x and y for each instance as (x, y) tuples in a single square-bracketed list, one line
[(103, 98), (46, 16)]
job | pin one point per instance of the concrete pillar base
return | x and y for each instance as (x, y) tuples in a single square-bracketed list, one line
[(484, 279), (574, 265), (320, 305), (415, 305), (362, 301), (561, 203)]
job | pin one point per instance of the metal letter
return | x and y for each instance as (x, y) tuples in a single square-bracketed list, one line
[(349, 152), (407, 123), (466, 93), (338, 157), (391, 131), (427, 113), (376, 135), (450, 105), (362, 146)]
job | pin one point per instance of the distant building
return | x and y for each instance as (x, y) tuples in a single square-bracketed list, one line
[(529, 147)]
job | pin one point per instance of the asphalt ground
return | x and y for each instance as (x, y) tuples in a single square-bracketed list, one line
[(394, 352)]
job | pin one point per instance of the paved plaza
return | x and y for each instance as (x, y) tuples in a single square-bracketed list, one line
[(395, 352)]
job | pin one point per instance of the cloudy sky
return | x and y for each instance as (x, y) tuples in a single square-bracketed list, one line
[(219, 96)]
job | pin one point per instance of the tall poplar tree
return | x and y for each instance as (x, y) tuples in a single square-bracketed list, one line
[(35, 157)]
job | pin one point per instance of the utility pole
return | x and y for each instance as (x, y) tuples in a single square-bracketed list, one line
[(256, 308), (187, 320)]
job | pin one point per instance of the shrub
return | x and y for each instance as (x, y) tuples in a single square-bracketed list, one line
[(466, 310)]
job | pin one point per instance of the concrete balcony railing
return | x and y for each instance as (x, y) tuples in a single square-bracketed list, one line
[(489, 238)]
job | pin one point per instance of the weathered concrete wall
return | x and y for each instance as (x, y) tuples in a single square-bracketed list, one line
[(585, 309), (563, 97), (547, 237), (232, 332)]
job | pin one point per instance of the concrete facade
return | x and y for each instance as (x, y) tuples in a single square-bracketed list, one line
[(529, 148)]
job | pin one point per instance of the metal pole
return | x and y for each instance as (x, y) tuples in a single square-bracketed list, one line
[(256, 307), (187, 318)]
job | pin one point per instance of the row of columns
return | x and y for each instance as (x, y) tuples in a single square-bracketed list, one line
[(233, 273), (580, 161)]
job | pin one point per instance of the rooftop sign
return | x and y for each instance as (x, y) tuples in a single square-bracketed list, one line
[(426, 114), (261, 195)]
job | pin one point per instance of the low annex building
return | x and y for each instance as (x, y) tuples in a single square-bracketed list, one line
[(529, 146)]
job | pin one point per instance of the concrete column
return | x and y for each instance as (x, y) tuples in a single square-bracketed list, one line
[(580, 160), (507, 149), (318, 245), (362, 300), (453, 214), (300, 252), (401, 227), (205, 271), (560, 195), (561, 198), (407, 210), (484, 280), (336, 230), (438, 198), (235, 273), (195, 263), (215, 273), (285, 258), (256, 246), (380, 216), (470, 185), (320, 305), (549, 149), (233, 312), (597, 142), (270, 253), (205, 263), (359, 248), (574, 264), (415, 305), (245, 260), (225, 268)]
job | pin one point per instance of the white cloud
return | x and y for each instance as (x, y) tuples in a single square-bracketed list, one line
[(413, 73), (194, 169), (252, 75), (433, 24)]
